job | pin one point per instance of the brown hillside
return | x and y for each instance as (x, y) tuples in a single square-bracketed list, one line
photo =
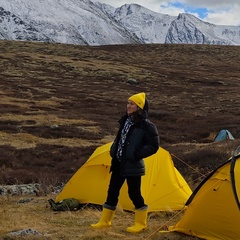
[(59, 102)]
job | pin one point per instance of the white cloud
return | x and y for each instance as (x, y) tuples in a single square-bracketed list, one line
[(212, 4), (167, 8), (172, 11), (225, 17), (219, 11)]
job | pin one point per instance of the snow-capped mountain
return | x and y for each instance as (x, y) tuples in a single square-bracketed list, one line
[(85, 22)]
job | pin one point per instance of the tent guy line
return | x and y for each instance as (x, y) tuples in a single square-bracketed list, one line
[(165, 224), (202, 174)]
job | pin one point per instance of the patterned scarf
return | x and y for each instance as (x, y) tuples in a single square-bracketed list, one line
[(127, 125)]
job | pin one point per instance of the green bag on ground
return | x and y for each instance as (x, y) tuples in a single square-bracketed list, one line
[(69, 204)]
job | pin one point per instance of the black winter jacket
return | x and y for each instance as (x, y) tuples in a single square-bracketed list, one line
[(142, 141)]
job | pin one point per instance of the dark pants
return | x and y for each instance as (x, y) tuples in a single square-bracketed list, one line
[(134, 190)]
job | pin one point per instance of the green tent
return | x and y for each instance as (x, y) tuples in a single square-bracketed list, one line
[(163, 187)]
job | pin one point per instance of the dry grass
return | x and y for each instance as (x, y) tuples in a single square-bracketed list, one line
[(38, 216), (59, 102)]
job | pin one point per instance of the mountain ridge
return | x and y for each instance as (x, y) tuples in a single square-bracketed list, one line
[(93, 23)]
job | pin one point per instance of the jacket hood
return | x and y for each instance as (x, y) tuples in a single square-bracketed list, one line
[(144, 112)]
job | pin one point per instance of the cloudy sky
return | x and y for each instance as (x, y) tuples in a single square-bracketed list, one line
[(221, 12)]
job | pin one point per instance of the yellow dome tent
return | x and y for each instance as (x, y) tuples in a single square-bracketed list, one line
[(213, 208), (163, 187)]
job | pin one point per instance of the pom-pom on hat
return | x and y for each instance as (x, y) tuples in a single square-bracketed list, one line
[(138, 99)]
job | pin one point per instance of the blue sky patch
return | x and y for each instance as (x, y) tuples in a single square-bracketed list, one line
[(202, 12)]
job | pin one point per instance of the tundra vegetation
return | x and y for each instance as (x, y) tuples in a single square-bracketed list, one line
[(60, 102)]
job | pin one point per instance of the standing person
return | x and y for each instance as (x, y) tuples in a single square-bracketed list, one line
[(137, 138)]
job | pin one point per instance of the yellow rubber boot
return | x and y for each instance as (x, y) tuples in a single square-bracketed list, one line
[(140, 222), (105, 220)]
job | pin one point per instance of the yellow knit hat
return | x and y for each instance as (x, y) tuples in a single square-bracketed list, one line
[(138, 99)]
